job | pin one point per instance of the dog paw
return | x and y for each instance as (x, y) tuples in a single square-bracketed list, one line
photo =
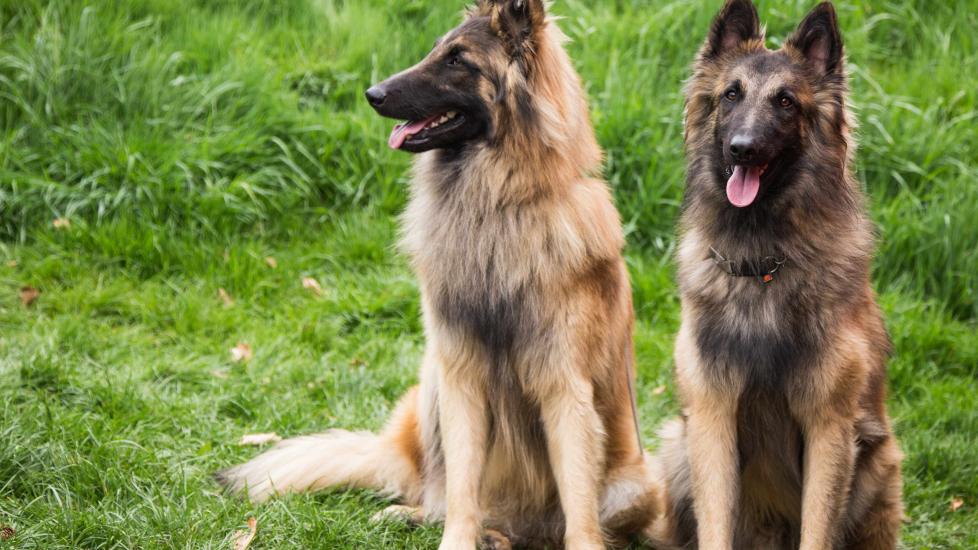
[(400, 514), (494, 540)]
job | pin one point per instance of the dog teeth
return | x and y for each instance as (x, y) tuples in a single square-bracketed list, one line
[(444, 118)]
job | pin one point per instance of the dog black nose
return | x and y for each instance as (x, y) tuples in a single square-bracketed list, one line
[(742, 148), (376, 96)]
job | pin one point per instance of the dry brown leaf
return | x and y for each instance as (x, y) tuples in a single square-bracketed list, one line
[(28, 295), (242, 539), (61, 223), (956, 503), (659, 391), (242, 352), (272, 263), (311, 284), (259, 439), (7, 532), (225, 297), (12, 264)]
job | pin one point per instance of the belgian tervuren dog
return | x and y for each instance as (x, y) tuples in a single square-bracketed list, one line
[(524, 420), (781, 356)]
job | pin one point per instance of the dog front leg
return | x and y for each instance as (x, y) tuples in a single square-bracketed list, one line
[(711, 433), (830, 449), (574, 444), (464, 425)]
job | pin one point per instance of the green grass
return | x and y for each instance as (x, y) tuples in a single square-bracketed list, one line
[(186, 140)]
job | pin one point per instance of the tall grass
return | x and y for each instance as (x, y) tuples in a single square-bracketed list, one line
[(244, 116)]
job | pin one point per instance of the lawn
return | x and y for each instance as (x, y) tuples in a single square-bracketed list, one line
[(154, 152)]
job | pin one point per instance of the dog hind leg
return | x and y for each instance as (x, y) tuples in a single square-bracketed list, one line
[(876, 507), (629, 502)]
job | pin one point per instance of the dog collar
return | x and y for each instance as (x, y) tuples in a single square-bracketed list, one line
[(763, 269)]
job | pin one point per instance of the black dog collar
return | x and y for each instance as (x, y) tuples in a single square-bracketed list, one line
[(763, 269)]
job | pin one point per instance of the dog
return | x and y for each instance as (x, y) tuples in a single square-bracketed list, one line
[(524, 420), (781, 355)]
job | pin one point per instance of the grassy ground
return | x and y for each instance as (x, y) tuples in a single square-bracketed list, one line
[(187, 140)]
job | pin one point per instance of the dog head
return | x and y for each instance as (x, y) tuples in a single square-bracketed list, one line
[(765, 112), (453, 96)]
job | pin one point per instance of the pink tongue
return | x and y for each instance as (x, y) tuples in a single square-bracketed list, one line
[(403, 131), (743, 185)]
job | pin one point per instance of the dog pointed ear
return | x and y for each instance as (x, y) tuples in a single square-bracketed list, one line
[(736, 23), (819, 41), (516, 21)]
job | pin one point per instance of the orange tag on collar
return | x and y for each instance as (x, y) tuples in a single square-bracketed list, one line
[(768, 278)]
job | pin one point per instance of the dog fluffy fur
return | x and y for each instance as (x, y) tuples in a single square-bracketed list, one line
[(784, 441), (524, 419)]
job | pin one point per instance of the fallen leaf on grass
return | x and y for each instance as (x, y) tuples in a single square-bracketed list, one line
[(12, 264), (61, 223), (956, 503), (659, 391), (242, 352), (28, 295), (242, 539), (309, 283), (225, 297), (272, 263), (259, 439), (7, 532)]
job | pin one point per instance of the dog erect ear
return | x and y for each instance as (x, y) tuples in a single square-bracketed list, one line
[(819, 41), (736, 23), (516, 21)]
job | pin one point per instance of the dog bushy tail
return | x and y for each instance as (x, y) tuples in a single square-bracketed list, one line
[(388, 462)]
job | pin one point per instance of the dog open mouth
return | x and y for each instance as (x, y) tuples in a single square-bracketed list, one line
[(744, 184), (417, 133)]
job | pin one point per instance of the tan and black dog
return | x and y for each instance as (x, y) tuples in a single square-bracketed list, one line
[(524, 420), (781, 357)]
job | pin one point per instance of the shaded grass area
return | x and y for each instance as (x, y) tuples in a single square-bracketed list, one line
[(187, 141)]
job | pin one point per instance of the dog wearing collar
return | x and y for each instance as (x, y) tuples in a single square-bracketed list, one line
[(781, 357)]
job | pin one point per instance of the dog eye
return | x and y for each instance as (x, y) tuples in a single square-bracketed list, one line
[(454, 57), (786, 101), (731, 94)]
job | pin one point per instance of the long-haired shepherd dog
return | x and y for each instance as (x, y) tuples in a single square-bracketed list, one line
[(781, 355), (523, 423)]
